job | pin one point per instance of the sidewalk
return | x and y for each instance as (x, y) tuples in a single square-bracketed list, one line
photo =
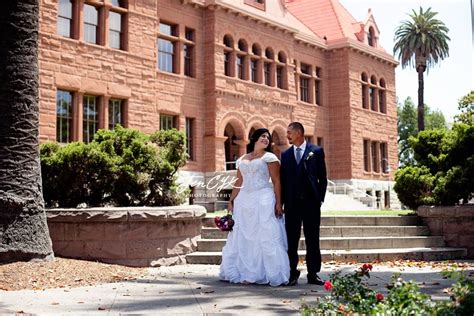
[(196, 290)]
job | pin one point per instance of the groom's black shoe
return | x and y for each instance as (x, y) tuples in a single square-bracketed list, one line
[(294, 278), (315, 279)]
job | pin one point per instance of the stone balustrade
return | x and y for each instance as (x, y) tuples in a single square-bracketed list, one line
[(132, 236), (455, 223)]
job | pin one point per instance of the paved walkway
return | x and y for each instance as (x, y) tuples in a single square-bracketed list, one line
[(196, 290)]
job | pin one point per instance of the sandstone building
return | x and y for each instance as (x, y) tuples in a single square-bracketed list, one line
[(217, 70)]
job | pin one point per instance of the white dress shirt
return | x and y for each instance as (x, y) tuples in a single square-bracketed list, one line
[(303, 148)]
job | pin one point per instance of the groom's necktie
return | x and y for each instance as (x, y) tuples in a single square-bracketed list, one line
[(298, 155)]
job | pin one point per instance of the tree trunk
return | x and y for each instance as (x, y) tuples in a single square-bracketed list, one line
[(421, 104), (24, 232)]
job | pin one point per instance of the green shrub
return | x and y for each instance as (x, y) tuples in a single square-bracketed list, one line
[(121, 167), (414, 186), (443, 172), (351, 296)]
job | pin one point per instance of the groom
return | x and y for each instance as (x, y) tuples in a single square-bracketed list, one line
[(304, 182)]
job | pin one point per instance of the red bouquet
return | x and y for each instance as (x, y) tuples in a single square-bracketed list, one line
[(224, 223)]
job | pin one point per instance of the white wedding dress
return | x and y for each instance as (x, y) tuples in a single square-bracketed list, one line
[(256, 249)]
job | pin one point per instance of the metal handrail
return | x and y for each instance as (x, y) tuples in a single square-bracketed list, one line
[(347, 187)]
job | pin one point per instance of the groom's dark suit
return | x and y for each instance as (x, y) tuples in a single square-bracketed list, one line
[(303, 190)]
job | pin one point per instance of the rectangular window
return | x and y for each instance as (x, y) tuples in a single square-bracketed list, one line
[(304, 89), (190, 138), (318, 72), (65, 18), (188, 60), (279, 77), (115, 31), (384, 157), (305, 69), (317, 91), (366, 155), (365, 104), (189, 34), (373, 105), (166, 122), (320, 141), (267, 68), (382, 101), (90, 120), (91, 24), (115, 113), (63, 116), (227, 71), (168, 29), (166, 55), (117, 3), (375, 157), (240, 67), (254, 70)]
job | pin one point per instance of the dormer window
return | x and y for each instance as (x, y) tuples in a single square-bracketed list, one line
[(371, 37), (259, 4)]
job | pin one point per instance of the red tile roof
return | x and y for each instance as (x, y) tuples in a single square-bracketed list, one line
[(326, 18)]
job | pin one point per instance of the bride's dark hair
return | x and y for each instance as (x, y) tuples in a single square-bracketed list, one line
[(254, 138)]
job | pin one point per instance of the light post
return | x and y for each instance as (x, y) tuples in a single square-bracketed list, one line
[(387, 170)]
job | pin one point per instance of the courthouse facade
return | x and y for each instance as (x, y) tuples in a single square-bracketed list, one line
[(217, 70)]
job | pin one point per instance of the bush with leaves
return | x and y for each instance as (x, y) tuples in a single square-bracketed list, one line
[(121, 167), (443, 171), (351, 296)]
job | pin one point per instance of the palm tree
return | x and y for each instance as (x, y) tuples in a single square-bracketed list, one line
[(23, 229), (422, 42)]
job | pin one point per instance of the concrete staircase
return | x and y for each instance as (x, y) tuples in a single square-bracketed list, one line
[(351, 239), (342, 202)]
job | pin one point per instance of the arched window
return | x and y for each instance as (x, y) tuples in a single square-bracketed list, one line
[(229, 56), (382, 96), (241, 60), (228, 41), (373, 93), (269, 67), (371, 37), (243, 47), (256, 64), (269, 53), (256, 50), (281, 80), (364, 85), (282, 57)]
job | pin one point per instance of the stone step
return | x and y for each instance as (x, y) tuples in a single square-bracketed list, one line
[(343, 231), (354, 221), (341, 243), (357, 255)]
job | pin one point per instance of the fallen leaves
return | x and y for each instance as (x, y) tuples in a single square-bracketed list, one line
[(63, 273)]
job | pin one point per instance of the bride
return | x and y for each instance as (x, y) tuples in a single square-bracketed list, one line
[(256, 249)]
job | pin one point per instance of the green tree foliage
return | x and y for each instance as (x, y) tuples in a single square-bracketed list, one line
[(466, 107), (443, 172), (421, 41), (121, 167), (407, 127)]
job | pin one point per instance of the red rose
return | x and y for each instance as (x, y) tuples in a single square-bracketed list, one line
[(379, 296), (367, 266), (341, 308), (328, 286)]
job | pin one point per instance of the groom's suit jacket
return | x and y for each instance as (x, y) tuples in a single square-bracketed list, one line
[(304, 180)]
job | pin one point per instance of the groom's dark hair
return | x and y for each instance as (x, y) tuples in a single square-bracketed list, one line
[(298, 126)]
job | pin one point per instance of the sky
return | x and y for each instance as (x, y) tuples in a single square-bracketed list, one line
[(450, 79)]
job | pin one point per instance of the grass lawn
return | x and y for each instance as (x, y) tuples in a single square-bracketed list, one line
[(344, 213)]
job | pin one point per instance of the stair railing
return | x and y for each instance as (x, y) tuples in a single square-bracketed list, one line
[(360, 194)]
